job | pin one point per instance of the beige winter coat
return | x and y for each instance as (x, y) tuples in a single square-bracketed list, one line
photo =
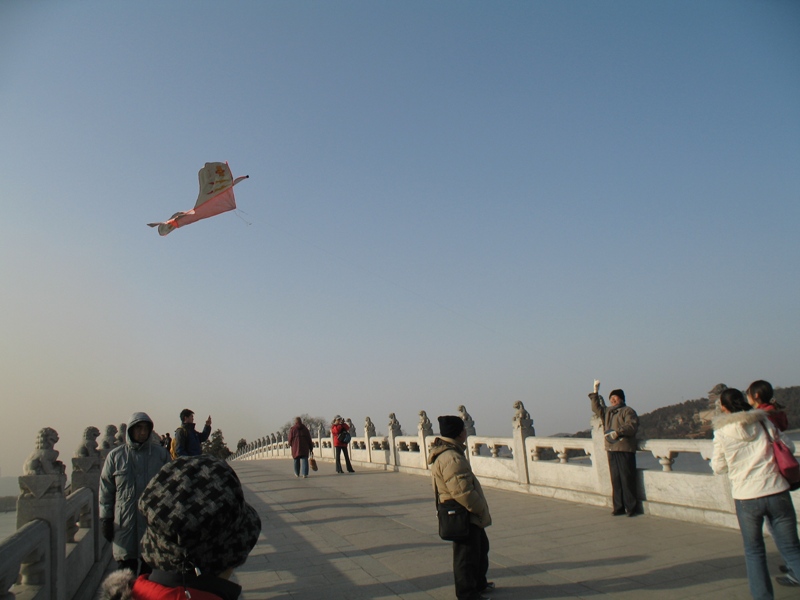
[(453, 478)]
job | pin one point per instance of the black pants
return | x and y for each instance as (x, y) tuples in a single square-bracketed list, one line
[(470, 564), (623, 480), (339, 451)]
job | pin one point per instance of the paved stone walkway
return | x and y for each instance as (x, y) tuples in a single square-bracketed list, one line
[(372, 535)]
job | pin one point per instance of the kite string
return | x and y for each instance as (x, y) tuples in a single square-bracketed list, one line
[(245, 221)]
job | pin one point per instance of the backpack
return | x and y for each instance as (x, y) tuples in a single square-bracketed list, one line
[(343, 437), (173, 446)]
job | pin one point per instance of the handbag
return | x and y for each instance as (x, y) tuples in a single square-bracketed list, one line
[(787, 463), (312, 462), (344, 437), (453, 519)]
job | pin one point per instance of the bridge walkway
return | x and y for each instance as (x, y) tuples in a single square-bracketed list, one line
[(372, 535)]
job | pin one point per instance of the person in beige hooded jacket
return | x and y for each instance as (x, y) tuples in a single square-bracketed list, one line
[(453, 479)]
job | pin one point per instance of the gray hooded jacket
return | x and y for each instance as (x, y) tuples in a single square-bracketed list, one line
[(126, 471)]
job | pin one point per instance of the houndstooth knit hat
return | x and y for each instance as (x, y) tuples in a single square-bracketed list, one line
[(197, 517)]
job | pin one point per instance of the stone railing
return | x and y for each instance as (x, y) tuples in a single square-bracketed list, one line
[(57, 552), (565, 468)]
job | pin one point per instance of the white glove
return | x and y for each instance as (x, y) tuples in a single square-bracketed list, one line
[(613, 435), (596, 385)]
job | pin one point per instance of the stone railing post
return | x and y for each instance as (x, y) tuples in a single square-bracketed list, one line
[(86, 474), (42, 496), (424, 430), (522, 429), (394, 431), (602, 470)]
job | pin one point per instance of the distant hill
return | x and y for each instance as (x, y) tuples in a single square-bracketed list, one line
[(691, 419)]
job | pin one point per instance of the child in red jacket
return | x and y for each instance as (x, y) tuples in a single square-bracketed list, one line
[(759, 395)]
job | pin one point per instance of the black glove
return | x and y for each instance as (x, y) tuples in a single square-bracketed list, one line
[(107, 528)]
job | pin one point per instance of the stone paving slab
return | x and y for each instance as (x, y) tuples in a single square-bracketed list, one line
[(372, 535)]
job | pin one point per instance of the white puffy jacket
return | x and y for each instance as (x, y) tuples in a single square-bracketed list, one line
[(743, 451)]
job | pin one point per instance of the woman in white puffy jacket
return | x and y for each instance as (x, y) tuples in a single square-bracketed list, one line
[(742, 449)]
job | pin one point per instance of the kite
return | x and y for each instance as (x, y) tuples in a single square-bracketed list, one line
[(215, 197)]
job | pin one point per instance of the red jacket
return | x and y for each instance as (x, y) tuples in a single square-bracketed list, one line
[(143, 589), (778, 417), (335, 431)]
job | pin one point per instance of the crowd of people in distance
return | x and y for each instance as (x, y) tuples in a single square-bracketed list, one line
[(178, 521)]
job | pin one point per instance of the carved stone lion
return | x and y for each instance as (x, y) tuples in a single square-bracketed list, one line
[(44, 460), (394, 425), (469, 424), (369, 427), (522, 419), (88, 446), (120, 439), (109, 440), (351, 426), (425, 427)]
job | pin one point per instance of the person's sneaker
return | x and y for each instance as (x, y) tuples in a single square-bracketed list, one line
[(489, 586), (783, 569), (788, 581), (305, 476)]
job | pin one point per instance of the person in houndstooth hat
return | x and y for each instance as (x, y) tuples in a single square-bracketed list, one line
[(199, 529)]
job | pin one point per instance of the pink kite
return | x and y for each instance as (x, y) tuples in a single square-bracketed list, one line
[(215, 197)]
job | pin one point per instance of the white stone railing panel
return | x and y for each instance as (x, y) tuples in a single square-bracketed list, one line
[(561, 446), (497, 447), (666, 451), (25, 557), (570, 476), (494, 468)]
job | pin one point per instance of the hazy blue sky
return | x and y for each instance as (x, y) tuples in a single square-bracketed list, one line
[(449, 203)]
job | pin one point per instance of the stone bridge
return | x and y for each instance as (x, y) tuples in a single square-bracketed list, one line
[(373, 534)]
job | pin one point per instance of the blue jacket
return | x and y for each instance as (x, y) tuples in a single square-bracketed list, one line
[(126, 472), (188, 440)]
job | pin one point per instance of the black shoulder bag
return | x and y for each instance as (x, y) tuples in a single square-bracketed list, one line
[(453, 519)]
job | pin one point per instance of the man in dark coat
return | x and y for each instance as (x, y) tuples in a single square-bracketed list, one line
[(620, 424), (187, 441)]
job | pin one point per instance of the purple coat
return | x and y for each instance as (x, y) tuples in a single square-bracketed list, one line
[(300, 441)]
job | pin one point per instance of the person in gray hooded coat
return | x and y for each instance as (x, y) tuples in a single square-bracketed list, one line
[(126, 472)]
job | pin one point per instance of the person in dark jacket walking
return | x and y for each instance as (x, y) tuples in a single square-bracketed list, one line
[(199, 529), (187, 441), (302, 446), (620, 424), (126, 472)]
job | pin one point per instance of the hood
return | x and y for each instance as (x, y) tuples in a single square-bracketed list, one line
[(742, 426), (441, 444), (136, 418)]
